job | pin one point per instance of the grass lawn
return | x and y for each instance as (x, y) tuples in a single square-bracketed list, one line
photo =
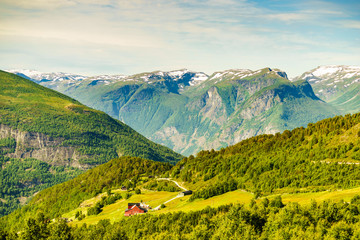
[(336, 195), (181, 204), (115, 212)]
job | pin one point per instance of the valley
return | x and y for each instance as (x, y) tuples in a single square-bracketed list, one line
[(258, 179), (179, 120), (191, 111), (47, 138)]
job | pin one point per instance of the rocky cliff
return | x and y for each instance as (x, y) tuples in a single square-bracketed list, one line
[(42, 147)]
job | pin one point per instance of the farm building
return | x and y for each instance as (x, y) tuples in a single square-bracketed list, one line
[(188, 192), (136, 208)]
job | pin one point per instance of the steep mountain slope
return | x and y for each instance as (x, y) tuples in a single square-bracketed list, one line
[(337, 85), (238, 104), (40, 125), (190, 111), (46, 124)]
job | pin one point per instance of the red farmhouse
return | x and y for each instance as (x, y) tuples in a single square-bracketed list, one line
[(134, 208)]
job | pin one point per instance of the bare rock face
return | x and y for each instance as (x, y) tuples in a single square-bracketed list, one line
[(260, 105), (42, 147), (213, 108)]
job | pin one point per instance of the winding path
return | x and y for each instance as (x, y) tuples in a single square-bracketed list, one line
[(178, 196), (169, 179)]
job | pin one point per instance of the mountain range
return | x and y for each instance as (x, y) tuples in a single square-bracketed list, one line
[(266, 181), (190, 111)]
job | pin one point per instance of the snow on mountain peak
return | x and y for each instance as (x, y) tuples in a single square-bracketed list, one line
[(233, 74), (178, 73), (27, 72), (335, 69), (198, 79), (40, 76), (326, 70)]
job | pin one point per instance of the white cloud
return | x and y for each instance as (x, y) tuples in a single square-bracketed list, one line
[(350, 24), (51, 4), (209, 34), (39, 4), (289, 17)]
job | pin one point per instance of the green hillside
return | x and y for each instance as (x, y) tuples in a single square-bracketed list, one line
[(29, 107), (47, 138), (61, 198), (317, 162), (322, 156), (263, 220)]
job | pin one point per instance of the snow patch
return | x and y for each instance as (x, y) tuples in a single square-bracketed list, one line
[(198, 79), (145, 78), (217, 75), (178, 73), (27, 72), (349, 75), (326, 70)]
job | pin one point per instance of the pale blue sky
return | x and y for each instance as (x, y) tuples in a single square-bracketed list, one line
[(126, 37)]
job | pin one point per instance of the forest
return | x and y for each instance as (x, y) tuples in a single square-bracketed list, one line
[(20, 179), (61, 198), (261, 220), (322, 156)]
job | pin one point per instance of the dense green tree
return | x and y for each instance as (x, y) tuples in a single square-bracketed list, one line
[(325, 220)]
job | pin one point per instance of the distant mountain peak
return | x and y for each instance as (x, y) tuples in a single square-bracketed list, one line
[(331, 73), (178, 73), (332, 70), (183, 77), (27, 72), (333, 82), (37, 76), (237, 74)]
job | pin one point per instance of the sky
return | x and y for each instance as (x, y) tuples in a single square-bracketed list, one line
[(93, 37)]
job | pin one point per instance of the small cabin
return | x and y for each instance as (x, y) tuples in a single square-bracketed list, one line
[(188, 192), (123, 188)]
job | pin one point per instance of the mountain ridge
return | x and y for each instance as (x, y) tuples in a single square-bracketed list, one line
[(174, 109)]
